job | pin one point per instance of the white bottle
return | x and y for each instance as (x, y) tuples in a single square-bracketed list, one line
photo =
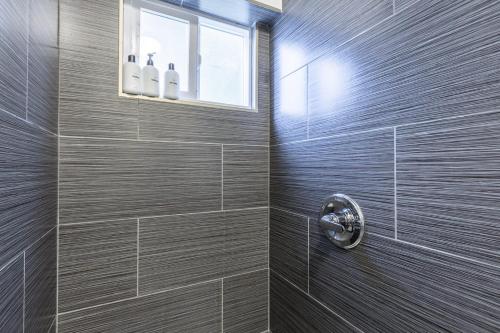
[(150, 79), (171, 83), (131, 76)]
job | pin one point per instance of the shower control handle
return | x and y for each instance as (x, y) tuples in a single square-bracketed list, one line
[(342, 221)]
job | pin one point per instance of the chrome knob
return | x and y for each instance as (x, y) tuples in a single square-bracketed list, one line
[(342, 221)]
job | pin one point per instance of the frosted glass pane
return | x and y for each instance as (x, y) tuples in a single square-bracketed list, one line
[(169, 38), (224, 69)]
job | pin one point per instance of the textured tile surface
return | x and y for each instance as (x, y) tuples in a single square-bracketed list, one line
[(402, 4), (288, 246), (89, 103), (28, 185), (43, 64), (311, 27), (195, 309), (402, 288), (246, 177), (40, 292), (293, 311), (185, 249), (449, 186), (11, 297), (97, 263), (247, 235), (289, 116), (112, 179), (410, 68), (246, 302), (180, 250), (361, 166), (13, 54)]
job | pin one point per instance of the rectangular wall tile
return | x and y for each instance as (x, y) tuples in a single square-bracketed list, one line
[(28, 185), (395, 287), (246, 303), (449, 185), (194, 309), (402, 71), (360, 165), (41, 279), (247, 240), (43, 64), (288, 246), (289, 116), (97, 263), (311, 27), (180, 250), (246, 177), (11, 296), (113, 179), (293, 311), (13, 54)]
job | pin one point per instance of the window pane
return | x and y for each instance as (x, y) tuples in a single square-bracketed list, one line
[(169, 38), (225, 63)]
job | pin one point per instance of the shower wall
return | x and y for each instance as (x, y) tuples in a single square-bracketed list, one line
[(397, 104), (28, 164), (163, 207)]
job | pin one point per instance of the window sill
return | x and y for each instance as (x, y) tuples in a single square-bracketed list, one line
[(211, 105)]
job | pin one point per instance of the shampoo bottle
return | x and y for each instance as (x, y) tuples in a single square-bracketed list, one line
[(150, 79), (171, 83), (131, 76)]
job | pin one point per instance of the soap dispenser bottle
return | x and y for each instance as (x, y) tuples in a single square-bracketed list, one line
[(171, 83), (131, 76), (150, 79)]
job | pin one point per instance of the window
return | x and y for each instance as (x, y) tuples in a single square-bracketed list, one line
[(213, 58)]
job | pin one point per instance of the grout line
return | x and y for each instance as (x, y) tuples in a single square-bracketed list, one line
[(137, 255), (157, 216), (308, 254), (27, 63), (307, 102), (222, 305), (388, 127), (317, 301), (24, 290), (162, 291), (155, 141), (438, 251), (222, 177), (395, 188), (56, 319)]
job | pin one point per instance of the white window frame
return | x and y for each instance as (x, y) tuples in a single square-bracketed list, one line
[(131, 17)]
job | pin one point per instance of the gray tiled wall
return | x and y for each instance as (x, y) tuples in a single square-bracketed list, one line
[(396, 104), (163, 207), (28, 164)]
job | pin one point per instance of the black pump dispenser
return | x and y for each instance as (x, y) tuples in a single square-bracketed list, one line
[(150, 60), (171, 67), (131, 58)]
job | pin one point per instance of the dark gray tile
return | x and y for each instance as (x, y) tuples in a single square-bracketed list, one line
[(449, 185), (53, 327), (28, 189), (293, 311), (360, 165), (239, 11), (410, 69), (288, 246), (402, 4), (309, 28), (41, 279), (11, 296), (247, 240), (180, 250), (43, 64), (13, 54), (195, 309), (246, 303), (289, 116), (246, 177), (97, 263), (396, 287), (113, 179)]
